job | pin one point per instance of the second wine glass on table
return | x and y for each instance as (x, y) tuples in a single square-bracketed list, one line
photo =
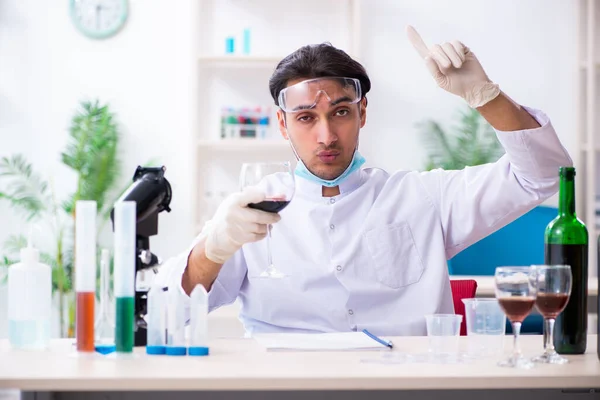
[(276, 181), (516, 293), (553, 290)]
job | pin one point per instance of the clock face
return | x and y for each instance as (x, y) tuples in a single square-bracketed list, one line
[(99, 19)]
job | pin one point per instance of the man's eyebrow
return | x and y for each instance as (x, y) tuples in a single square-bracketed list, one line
[(341, 100), (333, 103), (303, 107)]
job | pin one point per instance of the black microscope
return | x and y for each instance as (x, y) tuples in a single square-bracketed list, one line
[(152, 193)]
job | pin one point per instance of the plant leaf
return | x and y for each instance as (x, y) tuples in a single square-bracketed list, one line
[(14, 243), (92, 153), (24, 189), (471, 141)]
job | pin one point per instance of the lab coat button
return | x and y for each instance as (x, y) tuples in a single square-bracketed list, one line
[(339, 267), (332, 226), (350, 312), (332, 200)]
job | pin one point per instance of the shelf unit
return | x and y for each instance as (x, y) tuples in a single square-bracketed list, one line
[(244, 144), (588, 117), (241, 80)]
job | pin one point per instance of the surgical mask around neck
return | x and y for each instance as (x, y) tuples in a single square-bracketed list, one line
[(357, 161)]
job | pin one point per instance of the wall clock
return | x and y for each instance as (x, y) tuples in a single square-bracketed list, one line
[(99, 19)]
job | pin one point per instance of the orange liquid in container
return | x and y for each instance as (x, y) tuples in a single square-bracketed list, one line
[(84, 315)]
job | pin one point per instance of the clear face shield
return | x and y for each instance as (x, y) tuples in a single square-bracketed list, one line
[(307, 94)]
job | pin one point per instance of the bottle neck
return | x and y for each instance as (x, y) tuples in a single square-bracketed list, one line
[(566, 197)]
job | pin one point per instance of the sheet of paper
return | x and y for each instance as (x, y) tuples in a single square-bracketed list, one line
[(318, 341)]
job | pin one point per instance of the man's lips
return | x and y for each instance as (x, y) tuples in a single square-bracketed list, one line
[(328, 156)]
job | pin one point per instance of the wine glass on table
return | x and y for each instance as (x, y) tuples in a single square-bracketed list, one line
[(516, 293), (276, 181), (553, 292)]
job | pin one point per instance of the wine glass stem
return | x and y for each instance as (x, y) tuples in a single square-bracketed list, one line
[(269, 255), (516, 326), (549, 336)]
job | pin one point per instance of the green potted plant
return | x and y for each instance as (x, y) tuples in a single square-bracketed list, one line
[(471, 141), (91, 153)]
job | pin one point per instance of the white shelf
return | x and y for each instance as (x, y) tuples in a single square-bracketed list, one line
[(244, 144), (583, 65), (240, 60), (585, 148)]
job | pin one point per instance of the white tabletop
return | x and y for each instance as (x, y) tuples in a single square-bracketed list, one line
[(241, 364), (485, 284)]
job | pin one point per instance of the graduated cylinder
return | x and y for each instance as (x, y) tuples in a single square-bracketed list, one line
[(124, 284), (85, 273)]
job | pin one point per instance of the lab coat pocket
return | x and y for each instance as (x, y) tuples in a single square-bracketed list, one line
[(396, 260)]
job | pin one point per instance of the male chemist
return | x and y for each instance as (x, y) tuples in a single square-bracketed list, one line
[(363, 248)]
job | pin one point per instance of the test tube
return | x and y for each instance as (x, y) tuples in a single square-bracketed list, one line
[(104, 327), (175, 324), (85, 273), (156, 318), (199, 322), (125, 220)]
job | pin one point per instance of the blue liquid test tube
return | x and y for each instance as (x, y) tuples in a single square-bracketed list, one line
[(176, 345), (199, 322)]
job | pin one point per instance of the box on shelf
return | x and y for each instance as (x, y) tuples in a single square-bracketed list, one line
[(237, 123)]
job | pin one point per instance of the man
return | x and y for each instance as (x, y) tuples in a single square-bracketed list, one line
[(362, 248)]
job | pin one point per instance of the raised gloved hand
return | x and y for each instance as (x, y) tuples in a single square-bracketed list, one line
[(234, 224), (456, 70)]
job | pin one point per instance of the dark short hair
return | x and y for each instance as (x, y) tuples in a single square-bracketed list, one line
[(316, 61)]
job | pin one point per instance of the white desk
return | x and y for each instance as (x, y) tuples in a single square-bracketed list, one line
[(242, 365)]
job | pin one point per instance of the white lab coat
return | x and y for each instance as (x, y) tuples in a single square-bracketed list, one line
[(375, 256)]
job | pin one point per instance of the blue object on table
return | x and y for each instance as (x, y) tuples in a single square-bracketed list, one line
[(198, 351), (105, 349), (176, 351), (156, 350), (387, 343), (519, 243)]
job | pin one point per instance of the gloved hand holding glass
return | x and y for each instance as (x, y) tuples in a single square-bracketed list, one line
[(276, 182), (456, 70), (247, 216), (234, 224)]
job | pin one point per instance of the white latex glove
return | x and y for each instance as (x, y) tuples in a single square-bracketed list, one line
[(234, 224), (456, 70)]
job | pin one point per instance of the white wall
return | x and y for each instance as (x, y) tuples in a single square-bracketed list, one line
[(147, 73), (528, 47)]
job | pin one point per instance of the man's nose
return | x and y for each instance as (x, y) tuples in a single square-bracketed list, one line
[(325, 133)]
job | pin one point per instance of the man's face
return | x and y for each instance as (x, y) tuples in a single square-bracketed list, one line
[(325, 136)]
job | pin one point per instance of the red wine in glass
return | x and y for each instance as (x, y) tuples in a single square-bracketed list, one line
[(517, 308), (551, 304)]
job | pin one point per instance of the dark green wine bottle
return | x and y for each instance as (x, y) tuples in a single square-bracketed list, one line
[(566, 242)]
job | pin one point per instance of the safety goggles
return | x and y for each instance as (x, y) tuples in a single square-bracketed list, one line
[(306, 95)]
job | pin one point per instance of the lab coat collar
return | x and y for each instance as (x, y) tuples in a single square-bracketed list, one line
[(314, 190)]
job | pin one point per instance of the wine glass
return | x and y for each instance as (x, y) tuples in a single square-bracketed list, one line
[(276, 181), (516, 293), (553, 291)]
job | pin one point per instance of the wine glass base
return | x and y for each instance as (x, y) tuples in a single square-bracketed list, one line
[(518, 362), (272, 273), (550, 358)]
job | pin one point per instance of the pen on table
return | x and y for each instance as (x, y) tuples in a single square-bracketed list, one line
[(384, 342)]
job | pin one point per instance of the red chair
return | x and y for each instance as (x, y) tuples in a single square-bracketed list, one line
[(462, 289)]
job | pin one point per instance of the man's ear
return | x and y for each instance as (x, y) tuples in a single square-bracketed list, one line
[(281, 124), (363, 111)]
